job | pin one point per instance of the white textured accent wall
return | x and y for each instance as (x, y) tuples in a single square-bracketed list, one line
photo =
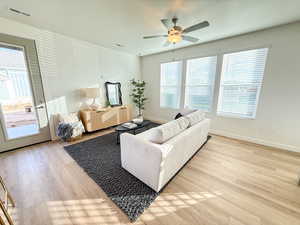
[(278, 116), (69, 64)]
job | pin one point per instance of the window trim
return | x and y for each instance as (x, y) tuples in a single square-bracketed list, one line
[(237, 115), (268, 46), (174, 86), (213, 85), (217, 83)]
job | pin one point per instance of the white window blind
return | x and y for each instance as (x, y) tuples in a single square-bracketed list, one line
[(170, 84), (199, 86), (241, 80)]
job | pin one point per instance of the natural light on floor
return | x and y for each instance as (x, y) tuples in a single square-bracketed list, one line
[(99, 211), (85, 211), (168, 203)]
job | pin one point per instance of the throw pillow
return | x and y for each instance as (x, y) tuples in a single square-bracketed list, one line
[(195, 117), (164, 132), (178, 115), (183, 123)]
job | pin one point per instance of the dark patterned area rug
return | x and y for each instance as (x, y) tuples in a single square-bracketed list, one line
[(101, 160)]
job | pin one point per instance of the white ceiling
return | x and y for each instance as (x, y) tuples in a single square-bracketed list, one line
[(107, 22)]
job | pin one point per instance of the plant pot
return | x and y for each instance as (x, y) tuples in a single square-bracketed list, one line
[(138, 120)]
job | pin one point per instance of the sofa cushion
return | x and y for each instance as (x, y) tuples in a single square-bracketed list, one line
[(195, 117), (168, 130), (183, 123)]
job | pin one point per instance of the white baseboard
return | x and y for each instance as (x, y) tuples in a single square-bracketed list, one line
[(240, 137), (256, 140)]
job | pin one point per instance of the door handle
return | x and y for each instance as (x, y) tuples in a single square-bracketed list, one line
[(39, 107)]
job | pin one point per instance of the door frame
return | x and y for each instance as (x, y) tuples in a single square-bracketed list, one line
[(37, 91)]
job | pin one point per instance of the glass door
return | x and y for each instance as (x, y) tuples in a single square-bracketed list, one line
[(23, 113)]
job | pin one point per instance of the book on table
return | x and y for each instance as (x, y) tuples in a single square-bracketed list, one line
[(129, 125)]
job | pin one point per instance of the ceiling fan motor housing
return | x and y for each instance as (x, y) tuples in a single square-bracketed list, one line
[(174, 20), (176, 30)]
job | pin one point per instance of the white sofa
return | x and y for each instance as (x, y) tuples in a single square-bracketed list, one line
[(176, 142)]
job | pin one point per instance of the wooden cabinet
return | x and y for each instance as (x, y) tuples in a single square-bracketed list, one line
[(106, 117)]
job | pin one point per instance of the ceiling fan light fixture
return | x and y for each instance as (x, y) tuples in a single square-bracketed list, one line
[(174, 36)]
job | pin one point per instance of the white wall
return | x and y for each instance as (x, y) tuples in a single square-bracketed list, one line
[(278, 116), (68, 64)]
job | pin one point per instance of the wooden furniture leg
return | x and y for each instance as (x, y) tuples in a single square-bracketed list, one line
[(2, 221), (12, 202), (6, 214), (8, 194), (4, 205)]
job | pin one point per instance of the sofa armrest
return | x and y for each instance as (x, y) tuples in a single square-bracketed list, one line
[(141, 158)]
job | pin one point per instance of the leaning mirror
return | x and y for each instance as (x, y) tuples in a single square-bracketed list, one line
[(113, 93)]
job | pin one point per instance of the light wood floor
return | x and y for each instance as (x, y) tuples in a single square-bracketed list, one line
[(228, 182)]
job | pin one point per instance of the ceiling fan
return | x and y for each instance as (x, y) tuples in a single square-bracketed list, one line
[(177, 33)]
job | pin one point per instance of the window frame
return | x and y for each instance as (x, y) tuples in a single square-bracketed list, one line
[(181, 79), (201, 85), (259, 86), (217, 81)]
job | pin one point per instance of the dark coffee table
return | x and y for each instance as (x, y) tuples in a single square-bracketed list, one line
[(120, 129)]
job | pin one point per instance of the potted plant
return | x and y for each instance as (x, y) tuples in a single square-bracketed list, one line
[(138, 96)]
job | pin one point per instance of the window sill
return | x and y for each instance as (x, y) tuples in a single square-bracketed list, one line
[(168, 108), (235, 116)]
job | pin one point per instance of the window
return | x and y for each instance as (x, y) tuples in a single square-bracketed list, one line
[(170, 84), (241, 80), (200, 78)]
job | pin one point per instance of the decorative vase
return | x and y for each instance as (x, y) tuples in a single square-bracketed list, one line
[(138, 120), (141, 118)]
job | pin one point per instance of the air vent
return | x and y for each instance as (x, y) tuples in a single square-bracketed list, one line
[(19, 12)]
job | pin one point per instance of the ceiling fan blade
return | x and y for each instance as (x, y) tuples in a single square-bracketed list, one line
[(166, 44), (154, 36), (189, 38), (196, 27), (167, 23)]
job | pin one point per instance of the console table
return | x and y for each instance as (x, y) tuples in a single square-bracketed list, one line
[(106, 117)]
